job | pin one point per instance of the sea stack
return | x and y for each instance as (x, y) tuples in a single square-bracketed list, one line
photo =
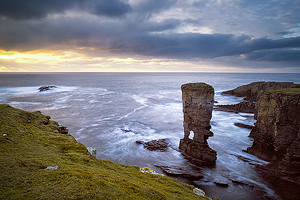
[(198, 100)]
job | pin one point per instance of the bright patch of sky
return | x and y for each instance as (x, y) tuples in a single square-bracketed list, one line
[(293, 32)]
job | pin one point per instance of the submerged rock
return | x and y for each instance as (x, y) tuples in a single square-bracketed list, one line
[(177, 172), (45, 88), (129, 131), (244, 126), (221, 183), (198, 99)]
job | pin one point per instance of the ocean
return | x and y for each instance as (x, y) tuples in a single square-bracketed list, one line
[(111, 111)]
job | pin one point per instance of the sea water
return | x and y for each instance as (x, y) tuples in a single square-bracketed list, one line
[(111, 111)]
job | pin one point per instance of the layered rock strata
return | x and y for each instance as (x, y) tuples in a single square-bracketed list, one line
[(277, 130), (246, 107), (198, 100)]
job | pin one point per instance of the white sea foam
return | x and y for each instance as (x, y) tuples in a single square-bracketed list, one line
[(223, 99), (130, 113), (24, 103), (54, 107), (33, 90), (93, 101), (246, 114), (140, 99)]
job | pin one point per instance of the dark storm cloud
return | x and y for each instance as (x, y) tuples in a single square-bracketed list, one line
[(36, 9), (130, 37), (31, 35), (149, 31), (274, 55), (153, 6), (29, 9), (190, 45), (112, 8)]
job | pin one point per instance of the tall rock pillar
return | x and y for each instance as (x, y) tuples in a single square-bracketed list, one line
[(198, 100)]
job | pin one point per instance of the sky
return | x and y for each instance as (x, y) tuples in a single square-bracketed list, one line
[(150, 36)]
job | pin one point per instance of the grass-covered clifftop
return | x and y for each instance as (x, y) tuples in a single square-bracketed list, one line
[(285, 91), (29, 143)]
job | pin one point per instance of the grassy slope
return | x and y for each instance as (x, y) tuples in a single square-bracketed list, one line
[(34, 143)]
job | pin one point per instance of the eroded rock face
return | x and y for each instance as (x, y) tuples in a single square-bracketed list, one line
[(246, 107), (198, 99), (277, 130)]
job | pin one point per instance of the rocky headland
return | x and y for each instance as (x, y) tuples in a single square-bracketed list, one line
[(198, 100), (251, 93), (276, 133), (39, 160)]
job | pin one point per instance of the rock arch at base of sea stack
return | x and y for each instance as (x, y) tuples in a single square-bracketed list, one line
[(198, 100)]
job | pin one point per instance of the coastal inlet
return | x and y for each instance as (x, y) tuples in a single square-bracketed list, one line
[(111, 111)]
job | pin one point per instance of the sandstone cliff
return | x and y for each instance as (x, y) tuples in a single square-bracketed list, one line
[(277, 130), (198, 101)]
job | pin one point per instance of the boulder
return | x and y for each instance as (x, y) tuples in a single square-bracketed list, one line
[(63, 129), (155, 145), (92, 151), (177, 172)]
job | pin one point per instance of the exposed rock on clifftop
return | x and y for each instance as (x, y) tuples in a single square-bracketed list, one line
[(198, 101), (277, 130)]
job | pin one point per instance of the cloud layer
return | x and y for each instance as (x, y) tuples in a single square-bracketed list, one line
[(251, 32), (37, 9)]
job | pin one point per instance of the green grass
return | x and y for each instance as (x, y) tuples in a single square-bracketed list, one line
[(285, 91), (33, 143)]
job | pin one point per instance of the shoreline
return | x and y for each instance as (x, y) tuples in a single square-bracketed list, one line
[(39, 162)]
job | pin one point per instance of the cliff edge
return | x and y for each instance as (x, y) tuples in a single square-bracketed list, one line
[(277, 130), (39, 162)]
